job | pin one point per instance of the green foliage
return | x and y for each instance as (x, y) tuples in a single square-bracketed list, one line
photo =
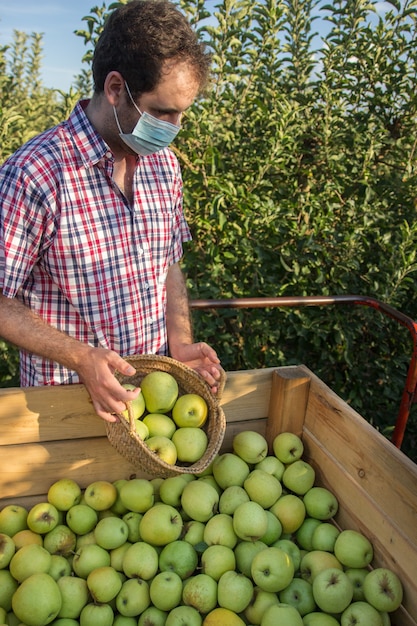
[(299, 168)]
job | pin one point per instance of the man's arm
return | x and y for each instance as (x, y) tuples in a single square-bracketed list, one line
[(95, 366), (199, 356)]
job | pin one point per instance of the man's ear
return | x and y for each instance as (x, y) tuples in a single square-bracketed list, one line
[(114, 86)]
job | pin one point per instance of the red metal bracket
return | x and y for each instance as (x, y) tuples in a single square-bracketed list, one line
[(409, 391)]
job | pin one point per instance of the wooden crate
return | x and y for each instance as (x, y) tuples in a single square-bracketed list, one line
[(48, 433)]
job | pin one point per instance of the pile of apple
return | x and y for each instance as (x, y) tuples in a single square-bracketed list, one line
[(170, 424), (250, 541)]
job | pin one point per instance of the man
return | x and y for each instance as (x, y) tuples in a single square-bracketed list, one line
[(92, 227)]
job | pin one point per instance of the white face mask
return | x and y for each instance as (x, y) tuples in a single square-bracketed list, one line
[(150, 133)]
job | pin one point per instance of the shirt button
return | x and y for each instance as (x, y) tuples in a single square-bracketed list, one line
[(146, 285), (140, 251)]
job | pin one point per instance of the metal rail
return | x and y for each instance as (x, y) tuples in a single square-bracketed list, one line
[(409, 391)]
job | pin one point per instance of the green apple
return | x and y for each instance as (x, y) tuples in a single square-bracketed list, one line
[(315, 561), (137, 405), (180, 557), (193, 532), (260, 601), (161, 524), (171, 489), (251, 446), (209, 478), (361, 614), (219, 530), (104, 583), (64, 493), (111, 532), (332, 590), (156, 485), (132, 519), (13, 519), (272, 465), (182, 616), (89, 557), (281, 614), (190, 410), (293, 551), (317, 618), (250, 521), (7, 550), (100, 495), (140, 561), (234, 591), (74, 594), (166, 590), (25, 537), (200, 500), (137, 495), (122, 620), (97, 615), (245, 552), (383, 589), (3, 616), (222, 616), (288, 447), (216, 560), (42, 517), (262, 488), (200, 592), (159, 424), (133, 598), (191, 443), (272, 569), (164, 448), (231, 497), (8, 585), (290, 511), (321, 503), (324, 537), (60, 566), (304, 534), (142, 430), (117, 556), (299, 477), (160, 391), (152, 617), (299, 594), (357, 577), (29, 560), (353, 549), (273, 530), (229, 469), (65, 621), (60, 540), (81, 518), (37, 600)]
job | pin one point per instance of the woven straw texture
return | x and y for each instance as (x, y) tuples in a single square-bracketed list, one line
[(123, 437)]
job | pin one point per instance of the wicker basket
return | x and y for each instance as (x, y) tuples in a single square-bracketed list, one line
[(122, 435)]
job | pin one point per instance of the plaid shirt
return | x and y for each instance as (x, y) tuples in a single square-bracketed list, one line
[(74, 251)]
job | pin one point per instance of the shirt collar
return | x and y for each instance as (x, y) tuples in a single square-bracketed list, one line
[(90, 144)]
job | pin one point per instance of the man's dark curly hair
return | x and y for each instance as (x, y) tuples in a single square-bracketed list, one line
[(139, 37)]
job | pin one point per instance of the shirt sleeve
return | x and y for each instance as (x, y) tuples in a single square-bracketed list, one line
[(25, 228)]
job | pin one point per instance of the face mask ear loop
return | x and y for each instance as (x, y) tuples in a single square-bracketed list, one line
[(117, 121), (131, 99)]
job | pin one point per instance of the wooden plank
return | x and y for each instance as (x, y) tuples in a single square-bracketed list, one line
[(30, 469), (47, 414), (288, 402), (246, 394)]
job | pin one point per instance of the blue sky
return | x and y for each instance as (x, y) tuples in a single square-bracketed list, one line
[(57, 20)]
